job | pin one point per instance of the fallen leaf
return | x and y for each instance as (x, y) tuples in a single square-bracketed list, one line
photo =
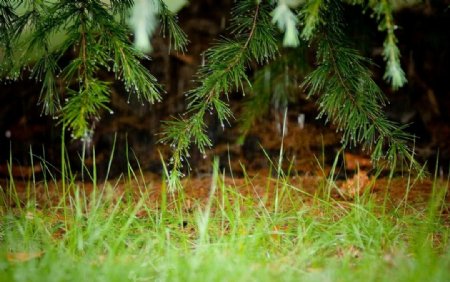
[(355, 185), (23, 256), (142, 214)]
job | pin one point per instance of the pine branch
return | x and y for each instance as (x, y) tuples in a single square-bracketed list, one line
[(178, 38), (394, 73), (224, 73), (100, 43), (311, 17), (84, 106), (45, 69), (121, 8), (7, 18), (349, 97)]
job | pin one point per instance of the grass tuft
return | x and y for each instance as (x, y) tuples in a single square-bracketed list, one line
[(133, 230)]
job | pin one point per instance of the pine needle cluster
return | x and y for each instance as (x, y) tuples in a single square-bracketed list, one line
[(348, 96), (95, 34), (254, 40), (340, 80), (274, 35)]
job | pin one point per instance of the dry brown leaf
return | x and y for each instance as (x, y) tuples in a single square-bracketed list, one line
[(355, 185), (23, 256)]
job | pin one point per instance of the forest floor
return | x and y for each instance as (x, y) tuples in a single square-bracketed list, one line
[(319, 214), (253, 226)]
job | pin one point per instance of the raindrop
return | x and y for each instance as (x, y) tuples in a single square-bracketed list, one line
[(301, 120), (203, 59)]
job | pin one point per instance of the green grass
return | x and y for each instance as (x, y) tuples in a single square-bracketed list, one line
[(289, 236)]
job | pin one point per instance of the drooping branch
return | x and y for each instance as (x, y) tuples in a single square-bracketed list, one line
[(225, 72), (348, 96), (394, 73)]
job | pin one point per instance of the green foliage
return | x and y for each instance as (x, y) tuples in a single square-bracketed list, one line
[(169, 24), (349, 97), (95, 35), (341, 81), (394, 73), (7, 18), (310, 14), (253, 40)]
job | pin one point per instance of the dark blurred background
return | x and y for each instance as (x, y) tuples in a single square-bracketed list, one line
[(424, 40)]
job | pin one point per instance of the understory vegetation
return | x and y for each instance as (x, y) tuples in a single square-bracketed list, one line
[(132, 229)]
